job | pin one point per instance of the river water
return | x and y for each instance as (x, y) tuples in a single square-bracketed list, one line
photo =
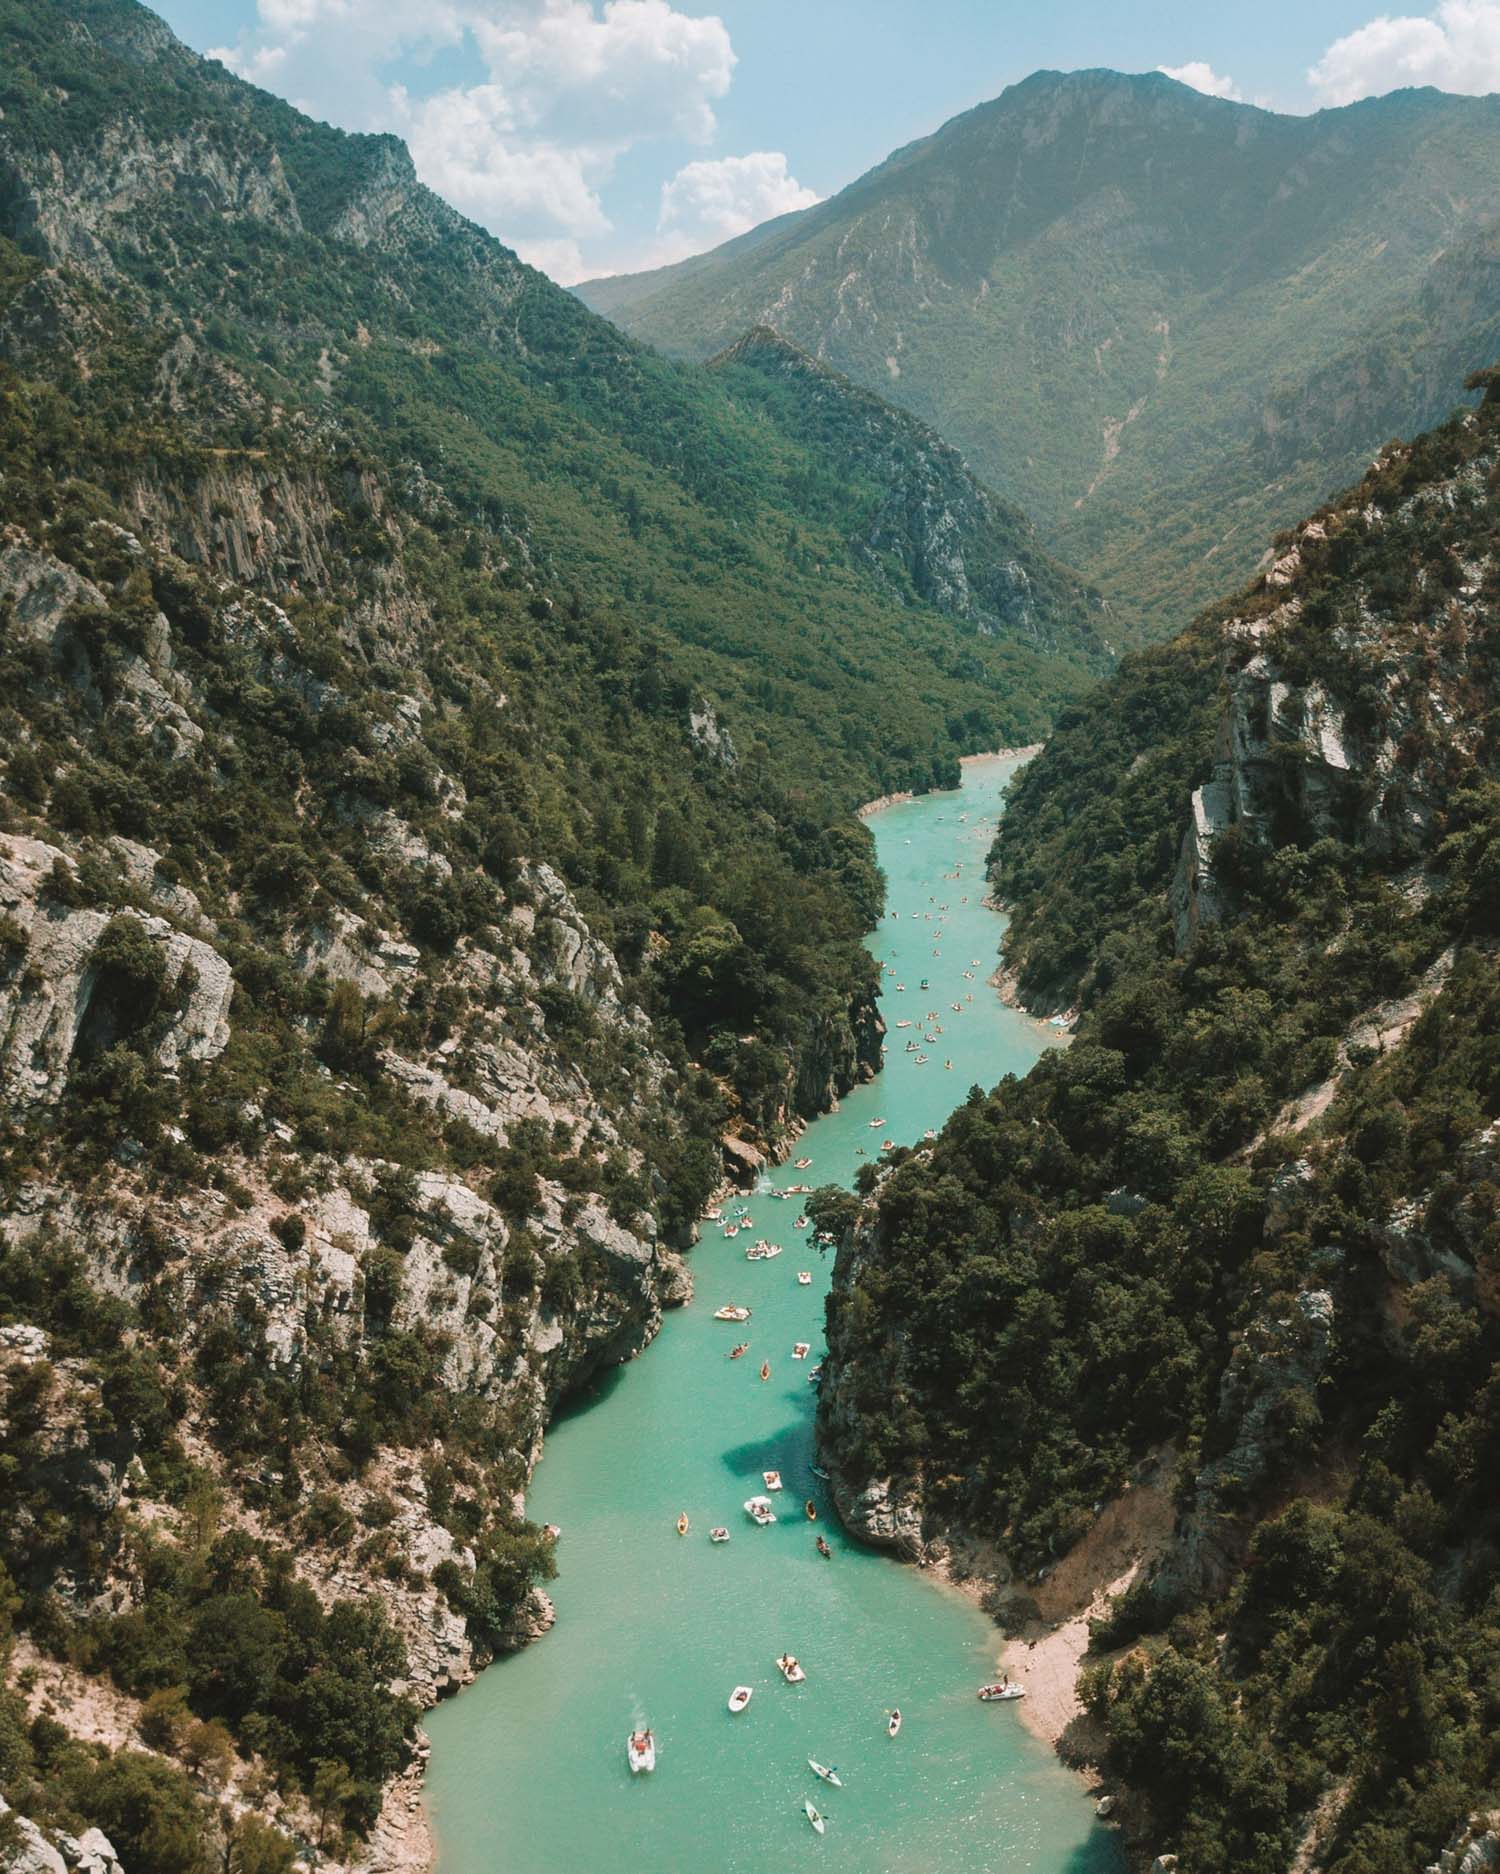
[(528, 1768)]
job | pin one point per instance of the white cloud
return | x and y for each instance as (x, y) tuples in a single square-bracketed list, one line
[(466, 145), (1202, 77), (709, 202), (559, 260), (1456, 48), (255, 65), (639, 68), (561, 90)]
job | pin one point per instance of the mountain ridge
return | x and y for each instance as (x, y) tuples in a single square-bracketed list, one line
[(429, 730), (1107, 290)]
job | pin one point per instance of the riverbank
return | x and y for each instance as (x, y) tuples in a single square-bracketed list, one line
[(655, 1629), (880, 804)]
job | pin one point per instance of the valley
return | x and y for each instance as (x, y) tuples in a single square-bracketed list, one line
[(435, 712)]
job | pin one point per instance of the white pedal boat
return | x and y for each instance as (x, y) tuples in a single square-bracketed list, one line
[(640, 1749), (759, 1510), (800, 1349), (804, 1277), (772, 1479), (790, 1668), (718, 1535)]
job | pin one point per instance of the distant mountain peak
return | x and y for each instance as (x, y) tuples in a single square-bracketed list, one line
[(1160, 322)]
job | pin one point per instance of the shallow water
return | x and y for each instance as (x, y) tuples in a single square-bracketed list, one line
[(528, 1769)]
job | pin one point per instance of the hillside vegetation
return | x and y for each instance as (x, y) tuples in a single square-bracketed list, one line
[(428, 729), (1247, 1221), (1161, 323)]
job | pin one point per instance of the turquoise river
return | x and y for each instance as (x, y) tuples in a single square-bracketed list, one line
[(528, 1770)]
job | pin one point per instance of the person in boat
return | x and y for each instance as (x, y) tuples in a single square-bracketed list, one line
[(823, 1548)]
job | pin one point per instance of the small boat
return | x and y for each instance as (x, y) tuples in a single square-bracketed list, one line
[(800, 1349), (736, 1352), (825, 1771), (801, 1223), (765, 1369), (818, 1471), (772, 1479), (731, 1314), (824, 1550), (875, 1123), (923, 984), (640, 1750), (713, 1216), (759, 1510), (903, 1023), (718, 1535), (812, 1815), (1001, 1693), (791, 1669), (804, 1276), (682, 1524), (889, 1145), (802, 1163), (895, 1724), (740, 1697), (811, 1509), (815, 1378), (763, 1251)]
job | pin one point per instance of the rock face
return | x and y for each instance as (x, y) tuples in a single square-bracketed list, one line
[(30, 1851), (931, 528), (1361, 748), (49, 982)]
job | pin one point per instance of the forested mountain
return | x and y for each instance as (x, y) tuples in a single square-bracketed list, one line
[(1164, 324), (428, 729), (1241, 1234)]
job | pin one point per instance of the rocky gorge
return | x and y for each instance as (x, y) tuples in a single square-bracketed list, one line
[(1333, 753)]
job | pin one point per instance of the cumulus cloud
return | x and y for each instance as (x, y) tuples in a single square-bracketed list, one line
[(712, 201), (256, 64), (1202, 77), (1456, 48), (562, 90), (466, 144), (640, 67), (560, 260)]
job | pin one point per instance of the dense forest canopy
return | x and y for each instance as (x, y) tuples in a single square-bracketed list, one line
[(1246, 1222)]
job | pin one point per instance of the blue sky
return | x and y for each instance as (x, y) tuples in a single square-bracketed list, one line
[(604, 135)]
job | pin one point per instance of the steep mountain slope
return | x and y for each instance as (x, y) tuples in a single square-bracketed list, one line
[(428, 729), (1162, 323), (1234, 1251), (916, 515)]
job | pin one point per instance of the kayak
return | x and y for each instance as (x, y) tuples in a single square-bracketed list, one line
[(682, 1524), (812, 1815), (640, 1749), (895, 1724), (823, 1770), (740, 1697)]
